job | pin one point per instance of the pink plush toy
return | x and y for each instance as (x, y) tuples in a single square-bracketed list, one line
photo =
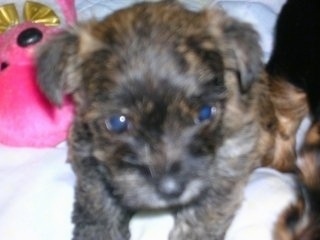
[(26, 117)]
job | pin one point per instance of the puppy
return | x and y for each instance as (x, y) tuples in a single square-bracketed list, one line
[(294, 72), (168, 116)]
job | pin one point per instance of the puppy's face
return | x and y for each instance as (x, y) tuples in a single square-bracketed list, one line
[(164, 101)]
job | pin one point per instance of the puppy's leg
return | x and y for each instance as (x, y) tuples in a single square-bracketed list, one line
[(193, 227), (290, 108), (210, 218), (97, 215)]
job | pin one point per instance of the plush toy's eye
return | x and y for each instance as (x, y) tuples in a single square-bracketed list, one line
[(30, 36), (118, 123), (206, 112)]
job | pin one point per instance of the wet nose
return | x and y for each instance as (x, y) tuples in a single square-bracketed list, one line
[(29, 36), (169, 187)]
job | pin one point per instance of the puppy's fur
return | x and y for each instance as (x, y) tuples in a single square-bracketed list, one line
[(144, 138), (294, 71)]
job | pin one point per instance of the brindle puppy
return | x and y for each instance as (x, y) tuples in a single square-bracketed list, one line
[(167, 117)]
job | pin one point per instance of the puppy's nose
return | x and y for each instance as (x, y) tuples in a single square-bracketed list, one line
[(169, 187), (29, 36)]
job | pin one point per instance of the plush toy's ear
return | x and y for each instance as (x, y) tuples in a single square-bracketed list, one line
[(68, 9), (242, 43), (57, 67)]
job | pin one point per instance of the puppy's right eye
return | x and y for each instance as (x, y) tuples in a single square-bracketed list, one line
[(206, 112), (118, 123)]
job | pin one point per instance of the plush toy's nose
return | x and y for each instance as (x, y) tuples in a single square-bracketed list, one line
[(3, 66), (29, 36)]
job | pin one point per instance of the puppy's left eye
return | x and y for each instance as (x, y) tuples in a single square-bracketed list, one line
[(206, 112), (118, 123)]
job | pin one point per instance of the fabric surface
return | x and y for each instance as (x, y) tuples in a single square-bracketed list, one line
[(37, 196)]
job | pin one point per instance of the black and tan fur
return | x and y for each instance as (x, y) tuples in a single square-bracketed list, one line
[(294, 70), (301, 220), (158, 64)]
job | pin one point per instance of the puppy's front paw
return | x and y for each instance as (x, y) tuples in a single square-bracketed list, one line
[(98, 232)]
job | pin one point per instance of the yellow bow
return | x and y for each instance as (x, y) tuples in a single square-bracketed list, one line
[(32, 11)]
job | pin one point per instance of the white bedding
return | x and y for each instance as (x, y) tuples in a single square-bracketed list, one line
[(37, 195), (36, 185)]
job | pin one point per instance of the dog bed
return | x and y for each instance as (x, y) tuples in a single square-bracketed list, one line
[(36, 184)]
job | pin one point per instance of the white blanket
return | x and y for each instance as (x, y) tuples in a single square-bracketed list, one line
[(37, 195), (36, 185)]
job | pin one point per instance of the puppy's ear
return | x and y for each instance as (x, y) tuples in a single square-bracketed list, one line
[(59, 61), (243, 51), (57, 66)]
